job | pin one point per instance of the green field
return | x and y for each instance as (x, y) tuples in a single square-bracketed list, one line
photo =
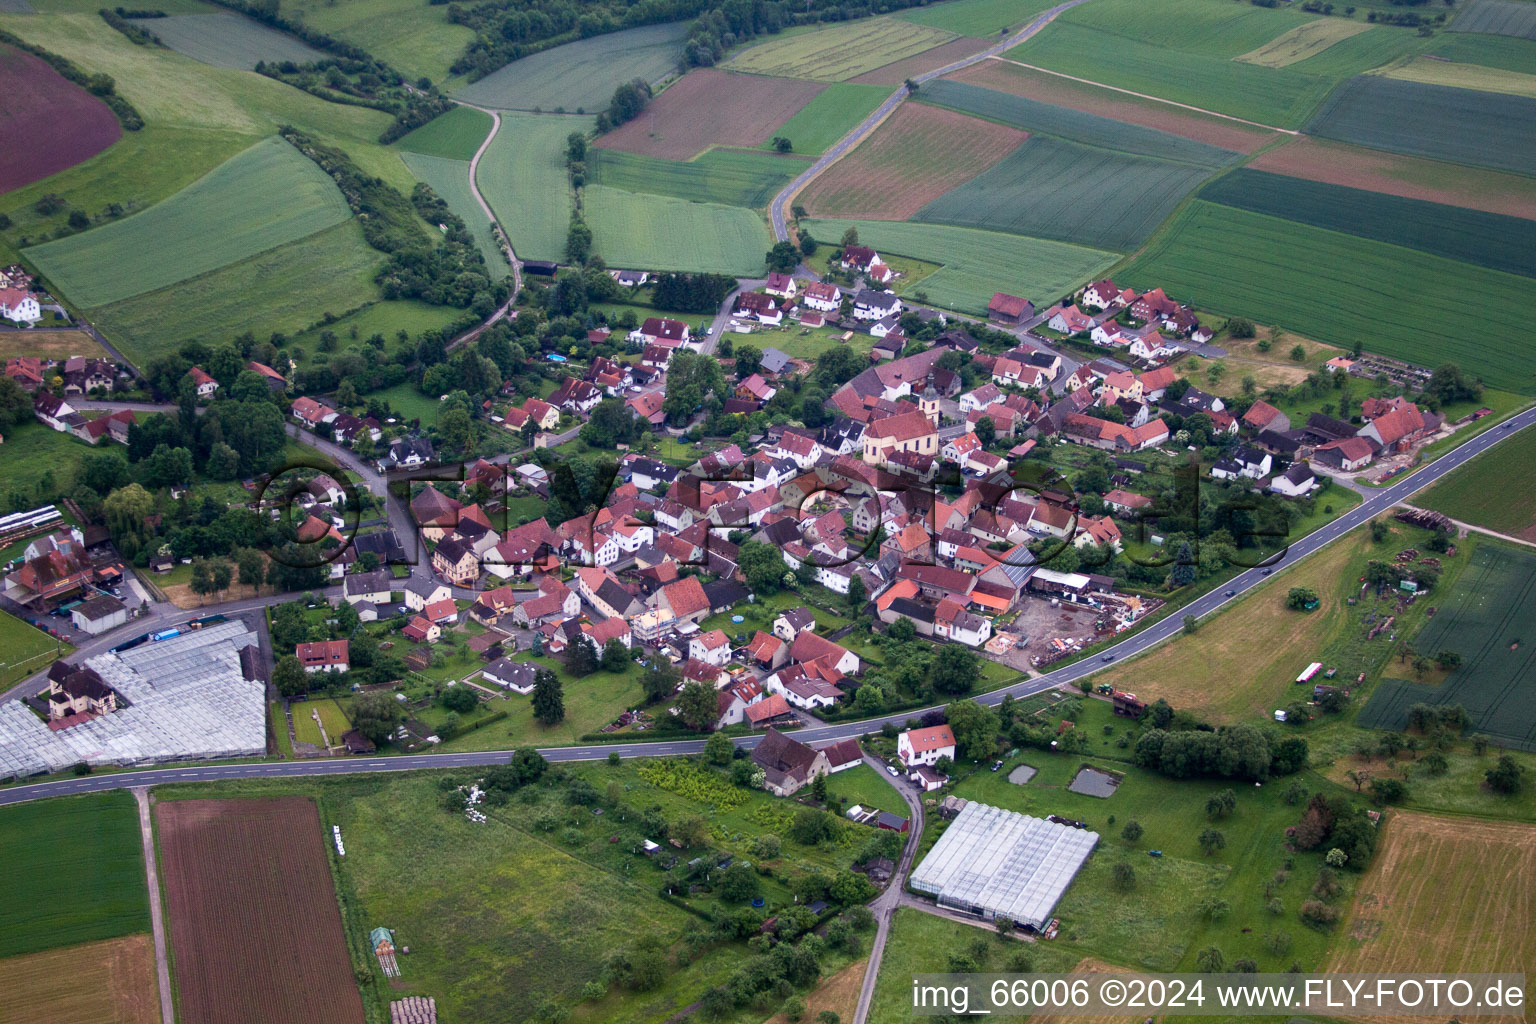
[(1073, 125), (385, 316), (1340, 288), (450, 180), (1484, 239), (89, 847), (1461, 125), (306, 731), (296, 284), (636, 229), (524, 179), (228, 40), (1434, 71), (1494, 490), (1485, 618), (981, 19), (1051, 188), (1497, 17), (581, 76), (731, 177), (455, 135), (26, 649), (831, 115), (839, 52), (223, 218), (977, 263), (1503, 52), (414, 37)]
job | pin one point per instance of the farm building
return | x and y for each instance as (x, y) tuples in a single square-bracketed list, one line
[(996, 863)]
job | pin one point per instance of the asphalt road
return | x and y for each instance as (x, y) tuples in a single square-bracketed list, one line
[(776, 208), (1375, 503)]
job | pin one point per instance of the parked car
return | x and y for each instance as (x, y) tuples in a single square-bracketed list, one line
[(996, 765), (893, 771)]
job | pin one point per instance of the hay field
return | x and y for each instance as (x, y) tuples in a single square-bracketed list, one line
[(915, 156), (228, 40), (1464, 76), (524, 179), (224, 217), (636, 229), (26, 649), (1444, 895), (415, 37), (709, 107), (839, 52), (580, 76), (110, 982), (1411, 177), (50, 344), (1303, 41)]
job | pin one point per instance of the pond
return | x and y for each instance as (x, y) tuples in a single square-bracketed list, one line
[(1020, 775), (1092, 782)]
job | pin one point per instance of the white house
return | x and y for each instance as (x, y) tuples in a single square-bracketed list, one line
[(99, 614), (712, 648), (204, 384), (823, 296), (925, 746), (792, 622), (18, 306), (872, 305), (1255, 463), (371, 587), (421, 592), (1294, 482), (517, 676)]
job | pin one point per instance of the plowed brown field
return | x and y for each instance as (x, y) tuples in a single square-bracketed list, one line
[(50, 123), (1444, 895), (255, 928), (899, 71), (1356, 167), (1035, 85), (917, 155), (111, 982), (708, 107)]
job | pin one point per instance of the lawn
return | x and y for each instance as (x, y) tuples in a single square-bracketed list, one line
[(1341, 288), (759, 615), (1494, 490), (330, 271), (26, 649), (228, 40), (455, 135), (385, 316), (831, 115), (839, 52), (280, 729), (590, 704), (36, 455), (868, 788), (450, 180), (975, 264), (978, 18), (416, 38), (331, 716), (524, 179), (581, 75), (221, 219), (83, 863), (637, 229), (731, 177)]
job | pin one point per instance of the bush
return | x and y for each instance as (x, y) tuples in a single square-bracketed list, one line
[(1319, 915)]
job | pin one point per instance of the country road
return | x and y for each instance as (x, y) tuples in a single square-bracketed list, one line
[(1375, 503), (854, 137)]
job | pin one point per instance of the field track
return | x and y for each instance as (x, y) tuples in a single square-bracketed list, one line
[(110, 982), (709, 107), (34, 100), (255, 928), (1444, 895)]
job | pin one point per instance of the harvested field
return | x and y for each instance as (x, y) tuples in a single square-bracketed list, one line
[(1445, 895), (1037, 85), (709, 107), (242, 955), (1303, 41), (581, 75), (1479, 128), (59, 344), (111, 982), (34, 101), (839, 994), (1411, 177), (1515, 18), (228, 40), (840, 52), (1086, 968), (896, 72), (1463, 76), (918, 153)]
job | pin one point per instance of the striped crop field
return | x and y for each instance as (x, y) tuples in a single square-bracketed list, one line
[(455, 135), (580, 76), (1433, 71), (228, 40), (831, 115), (731, 177), (981, 19), (523, 177), (1515, 18), (839, 52)]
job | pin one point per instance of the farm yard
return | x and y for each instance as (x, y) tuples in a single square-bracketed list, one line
[(916, 155), (241, 955), (730, 177), (708, 107), (839, 52), (637, 229), (1410, 177), (1444, 894), (523, 177), (450, 180), (1497, 17), (455, 135), (1461, 125), (1282, 272), (1484, 618), (225, 217), (228, 40), (580, 76), (1493, 491), (33, 99), (975, 264), (831, 115), (83, 865), (107, 982)]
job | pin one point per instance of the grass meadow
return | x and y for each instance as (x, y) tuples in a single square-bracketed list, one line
[(1396, 301), (1494, 490), (730, 177), (26, 649), (221, 219), (637, 229), (416, 38), (981, 19), (228, 40), (450, 180), (975, 264), (78, 869), (868, 788), (455, 135), (841, 51), (831, 115), (581, 75), (524, 179)]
